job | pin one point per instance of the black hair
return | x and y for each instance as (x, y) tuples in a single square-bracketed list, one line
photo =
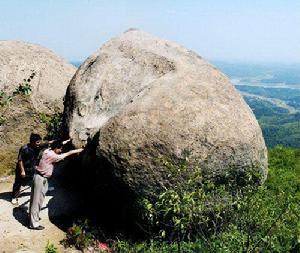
[(56, 144), (34, 137)]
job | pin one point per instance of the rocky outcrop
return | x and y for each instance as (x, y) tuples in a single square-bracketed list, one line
[(45, 76), (50, 73), (147, 104)]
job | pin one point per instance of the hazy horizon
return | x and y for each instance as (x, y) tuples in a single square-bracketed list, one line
[(231, 31)]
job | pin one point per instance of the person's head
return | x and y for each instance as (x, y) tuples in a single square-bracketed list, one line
[(35, 140), (57, 146)]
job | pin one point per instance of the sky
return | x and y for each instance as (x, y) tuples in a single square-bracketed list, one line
[(257, 31)]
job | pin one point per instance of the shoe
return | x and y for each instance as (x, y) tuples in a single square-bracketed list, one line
[(37, 228), (14, 201)]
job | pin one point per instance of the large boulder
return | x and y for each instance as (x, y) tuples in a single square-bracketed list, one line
[(47, 75), (51, 74), (146, 104)]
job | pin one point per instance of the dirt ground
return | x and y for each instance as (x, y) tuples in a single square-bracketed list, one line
[(14, 234)]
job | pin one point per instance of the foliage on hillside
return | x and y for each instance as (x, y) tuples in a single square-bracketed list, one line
[(279, 127), (283, 130), (256, 219)]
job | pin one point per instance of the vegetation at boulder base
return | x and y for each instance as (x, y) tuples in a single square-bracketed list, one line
[(217, 218), (79, 235)]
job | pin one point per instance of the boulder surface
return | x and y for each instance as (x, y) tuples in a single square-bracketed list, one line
[(51, 74), (47, 75), (146, 104)]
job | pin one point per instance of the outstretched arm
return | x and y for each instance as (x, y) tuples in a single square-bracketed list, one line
[(57, 158), (72, 152)]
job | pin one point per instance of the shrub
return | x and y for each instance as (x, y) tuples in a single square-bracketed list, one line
[(25, 87), (53, 124), (79, 235), (50, 248), (233, 213)]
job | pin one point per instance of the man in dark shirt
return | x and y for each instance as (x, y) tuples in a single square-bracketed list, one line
[(27, 159)]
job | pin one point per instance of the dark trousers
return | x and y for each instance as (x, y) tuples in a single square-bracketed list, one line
[(20, 181)]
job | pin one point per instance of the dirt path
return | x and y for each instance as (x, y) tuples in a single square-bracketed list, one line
[(14, 234)]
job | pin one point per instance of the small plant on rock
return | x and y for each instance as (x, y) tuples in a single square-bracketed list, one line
[(25, 87)]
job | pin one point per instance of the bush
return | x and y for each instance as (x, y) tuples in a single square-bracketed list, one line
[(217, 218), (233, 213), (53, 125), (25, 87), (50, 248), (79, 235)]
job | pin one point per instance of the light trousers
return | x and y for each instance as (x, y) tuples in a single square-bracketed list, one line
[(38, 193)]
